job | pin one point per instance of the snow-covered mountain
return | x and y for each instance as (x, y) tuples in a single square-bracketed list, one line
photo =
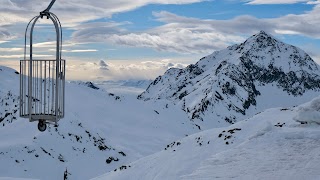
[(152, 137), (270, 145), (100, 132), (240, 81)]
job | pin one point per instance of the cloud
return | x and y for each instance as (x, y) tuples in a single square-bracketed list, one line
[(20, 56), (187, 35), (2, 42), (45, 44), (179, 34), (115, 70), (50, 44), (11, 49), (176, 40), (73, 12), (10, 16), (304, 24), (80, 50), (255, 2), (75, 50), (143, 69), (5, 35), (314, 2), (97, 31)]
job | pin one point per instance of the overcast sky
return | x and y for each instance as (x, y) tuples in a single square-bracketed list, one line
[(125, 39)]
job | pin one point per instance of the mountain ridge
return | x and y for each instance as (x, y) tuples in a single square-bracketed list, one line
[(236, 78)]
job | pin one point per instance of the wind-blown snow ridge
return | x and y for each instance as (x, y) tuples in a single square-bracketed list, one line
[(309, 112), (270, 145), (240, 81)]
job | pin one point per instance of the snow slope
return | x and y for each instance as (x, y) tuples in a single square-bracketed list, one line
[(100, 132), (124, 87), (270, 145), (240, 81)]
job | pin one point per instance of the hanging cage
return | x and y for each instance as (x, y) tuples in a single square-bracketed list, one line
[(42, 82)]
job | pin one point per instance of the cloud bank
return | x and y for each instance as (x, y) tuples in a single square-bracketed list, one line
[(187, 35), (255, 2), (13, 11), (101, 70), (178, 34)]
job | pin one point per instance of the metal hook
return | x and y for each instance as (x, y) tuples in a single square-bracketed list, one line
[(46, 11)]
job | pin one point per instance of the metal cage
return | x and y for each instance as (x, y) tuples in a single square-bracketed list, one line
[(42, 82)]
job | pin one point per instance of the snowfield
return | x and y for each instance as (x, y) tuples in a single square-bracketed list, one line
[(270, 145), (100, 132)]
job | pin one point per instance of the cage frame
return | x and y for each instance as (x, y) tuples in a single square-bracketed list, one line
[(27, 100)]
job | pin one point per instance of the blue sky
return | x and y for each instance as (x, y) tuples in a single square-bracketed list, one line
[(140, 40)]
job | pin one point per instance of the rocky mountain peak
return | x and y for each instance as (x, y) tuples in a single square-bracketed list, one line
[(261, 36), (259, 42), (241, 80), (262, 40)]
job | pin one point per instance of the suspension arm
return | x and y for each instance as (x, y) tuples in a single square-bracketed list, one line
[(46, 11)]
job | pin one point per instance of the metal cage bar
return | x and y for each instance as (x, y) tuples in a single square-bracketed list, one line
[(43, 102)]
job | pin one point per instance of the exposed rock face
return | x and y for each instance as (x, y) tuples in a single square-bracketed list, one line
[(240, 81)]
